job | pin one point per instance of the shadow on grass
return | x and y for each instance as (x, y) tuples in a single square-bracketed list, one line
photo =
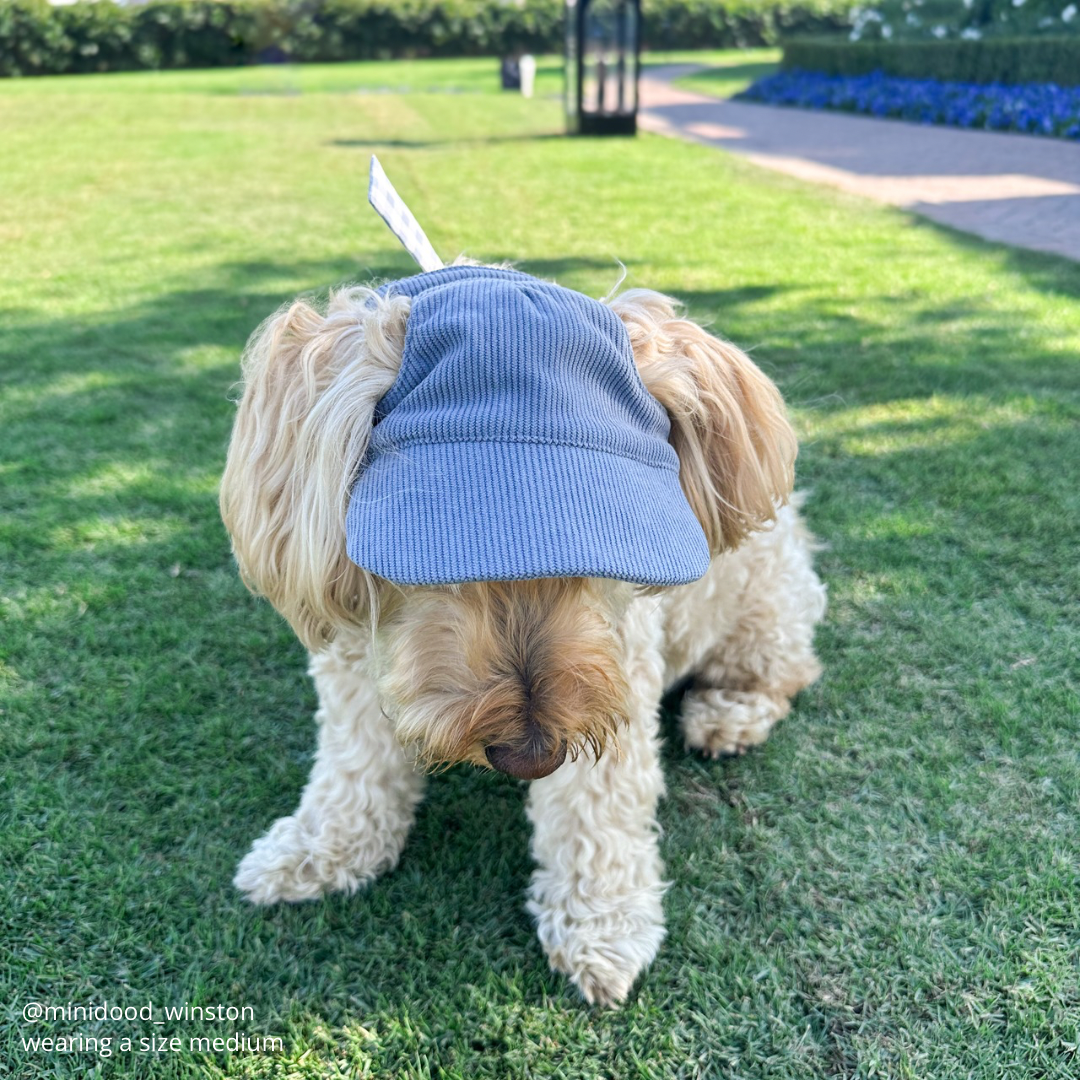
[(123, 383), (1050, 274), (175, 707), (827, 359), (424, 144)]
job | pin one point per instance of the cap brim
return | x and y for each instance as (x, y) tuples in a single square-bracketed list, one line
[(447, 513)]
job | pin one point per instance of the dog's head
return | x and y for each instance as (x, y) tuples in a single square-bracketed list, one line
[(516, 674)]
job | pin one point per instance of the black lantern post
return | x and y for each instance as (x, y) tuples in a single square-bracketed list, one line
[(603, 55)]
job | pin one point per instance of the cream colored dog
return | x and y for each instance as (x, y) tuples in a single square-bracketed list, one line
[(555, 681)]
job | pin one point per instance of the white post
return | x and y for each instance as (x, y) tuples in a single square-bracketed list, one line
[(527, 67)]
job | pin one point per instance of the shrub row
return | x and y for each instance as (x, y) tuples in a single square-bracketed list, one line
[(37, 38), (999, 60), (725, 24)]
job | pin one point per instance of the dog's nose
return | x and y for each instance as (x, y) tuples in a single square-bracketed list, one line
[(528, 763)]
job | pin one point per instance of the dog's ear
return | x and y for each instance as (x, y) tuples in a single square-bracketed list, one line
[(728, 423), (310, 386)]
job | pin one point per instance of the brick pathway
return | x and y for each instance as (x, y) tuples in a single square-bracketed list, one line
[(1018, 189)]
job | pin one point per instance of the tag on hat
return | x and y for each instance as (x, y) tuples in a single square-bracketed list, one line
[(392, 209)]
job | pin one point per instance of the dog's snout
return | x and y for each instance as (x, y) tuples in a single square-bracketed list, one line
[(531, 762)]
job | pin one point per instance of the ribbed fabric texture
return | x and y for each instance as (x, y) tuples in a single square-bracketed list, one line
[(517, 442)]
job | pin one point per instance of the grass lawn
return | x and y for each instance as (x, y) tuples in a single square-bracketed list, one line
[(725, 73), (888, 888), (477, 75)]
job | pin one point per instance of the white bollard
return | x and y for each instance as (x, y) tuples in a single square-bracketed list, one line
[(527, 67)]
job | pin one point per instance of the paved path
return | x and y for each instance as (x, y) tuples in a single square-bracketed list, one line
[(1019, 189)]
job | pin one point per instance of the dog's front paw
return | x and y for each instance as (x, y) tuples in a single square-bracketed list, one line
[(291, 863), (280, 866), (720, 723), (602, 954)]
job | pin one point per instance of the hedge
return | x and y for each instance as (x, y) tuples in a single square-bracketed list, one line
[(37, 38), (1013, 61), (725, 24)]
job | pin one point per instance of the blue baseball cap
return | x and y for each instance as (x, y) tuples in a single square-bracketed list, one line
[(518, 442)]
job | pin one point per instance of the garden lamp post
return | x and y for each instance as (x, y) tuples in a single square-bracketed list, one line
[(603, 54)]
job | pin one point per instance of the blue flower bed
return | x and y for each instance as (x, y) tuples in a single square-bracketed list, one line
[(1037, 108)]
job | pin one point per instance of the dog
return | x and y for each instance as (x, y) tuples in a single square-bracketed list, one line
[(554, 678)]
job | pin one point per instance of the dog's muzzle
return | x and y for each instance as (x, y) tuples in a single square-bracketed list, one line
[(531, 762)]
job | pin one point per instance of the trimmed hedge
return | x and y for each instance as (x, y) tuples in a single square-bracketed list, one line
[(1013, 61), (727, 24), (37, 38)]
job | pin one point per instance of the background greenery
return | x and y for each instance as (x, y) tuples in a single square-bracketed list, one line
[(888, 888), (1013, 61), (970, 20), (37, 37), (729, 73)]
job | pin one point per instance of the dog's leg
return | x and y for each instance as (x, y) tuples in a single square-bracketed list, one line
[(357, 807), (597, 892), (745, 684)]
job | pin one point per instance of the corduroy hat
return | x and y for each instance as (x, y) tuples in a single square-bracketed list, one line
[(518, 442)]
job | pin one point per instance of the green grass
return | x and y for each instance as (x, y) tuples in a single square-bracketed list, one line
[(888, 888), (725, 73), (475, 75)]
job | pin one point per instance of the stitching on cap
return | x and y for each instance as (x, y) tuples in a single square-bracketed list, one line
[(655, 462)]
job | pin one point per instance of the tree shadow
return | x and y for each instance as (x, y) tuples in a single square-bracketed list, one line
[(427, 144), (210, 759), (826, 359), (1055, 275)]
